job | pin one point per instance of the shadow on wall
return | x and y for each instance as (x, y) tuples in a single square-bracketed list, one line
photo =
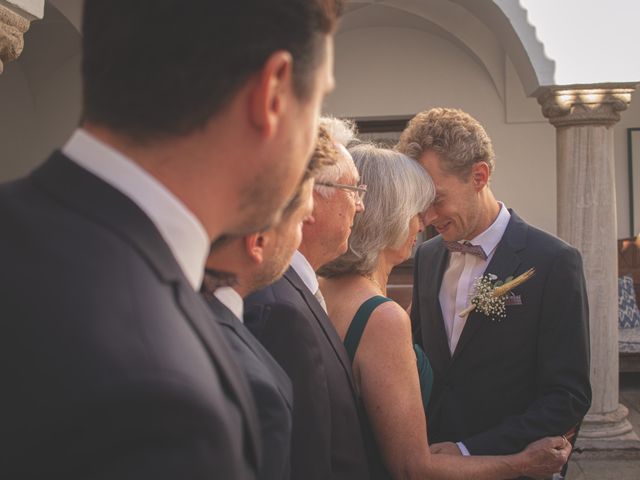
[(40, 94)]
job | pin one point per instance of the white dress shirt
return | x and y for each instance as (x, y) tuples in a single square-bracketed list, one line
[(305, 271), (460, 274), (232, 300), (178, 226)]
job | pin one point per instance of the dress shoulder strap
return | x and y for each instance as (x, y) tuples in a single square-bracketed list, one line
[(359, 322)]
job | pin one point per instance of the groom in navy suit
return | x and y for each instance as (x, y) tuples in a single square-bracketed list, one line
[(500, 382)]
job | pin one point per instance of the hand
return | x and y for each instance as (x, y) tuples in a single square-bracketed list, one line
[(544, 457), (447, 448)]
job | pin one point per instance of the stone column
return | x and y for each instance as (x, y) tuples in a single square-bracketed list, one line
[(583, 118), (15, 18)]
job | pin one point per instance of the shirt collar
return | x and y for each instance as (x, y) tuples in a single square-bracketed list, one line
[(305, 271), (178, 226), (490, 238), (232, 300)]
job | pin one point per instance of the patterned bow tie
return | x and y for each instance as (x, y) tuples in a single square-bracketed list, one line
[(466, 247)]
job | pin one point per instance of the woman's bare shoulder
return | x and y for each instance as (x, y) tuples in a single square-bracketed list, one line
[(389, 323)]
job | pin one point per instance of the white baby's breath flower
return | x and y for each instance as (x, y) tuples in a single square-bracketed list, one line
[(490, 295)]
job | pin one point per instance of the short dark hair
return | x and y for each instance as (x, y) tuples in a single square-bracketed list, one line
[(159, 68)]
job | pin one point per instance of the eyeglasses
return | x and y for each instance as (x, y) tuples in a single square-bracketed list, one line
[(356, 192)]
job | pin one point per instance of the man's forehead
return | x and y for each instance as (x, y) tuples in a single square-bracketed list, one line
[(343, 151), (352, 174)]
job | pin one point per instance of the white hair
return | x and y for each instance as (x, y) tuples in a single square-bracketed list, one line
[(398, 188), (342, 131), (343, 134)]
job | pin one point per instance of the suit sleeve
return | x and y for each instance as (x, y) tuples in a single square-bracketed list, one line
[(156, 430), (274, 415), (563, 387), (286, 334)]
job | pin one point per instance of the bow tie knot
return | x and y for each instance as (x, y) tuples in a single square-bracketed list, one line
[(466, 247)]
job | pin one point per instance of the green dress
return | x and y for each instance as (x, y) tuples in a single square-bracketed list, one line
[(354, 334)]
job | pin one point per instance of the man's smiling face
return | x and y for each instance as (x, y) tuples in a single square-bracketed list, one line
[(455, 211)]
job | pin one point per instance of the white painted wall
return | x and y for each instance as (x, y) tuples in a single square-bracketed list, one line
[(380, 71), (40, 95), (411, 70), (397, 71), (630, 119)]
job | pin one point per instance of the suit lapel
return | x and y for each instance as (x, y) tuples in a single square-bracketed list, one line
[(433, 281), (95, 199), (324, 322), (503, 264), (227, 318), (233, 379)]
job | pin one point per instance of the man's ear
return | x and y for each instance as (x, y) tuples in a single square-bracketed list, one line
[(480, 175), (269, 94), (254, 245)]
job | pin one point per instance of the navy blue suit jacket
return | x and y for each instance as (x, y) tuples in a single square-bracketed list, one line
[(271, 389), (512, 381), (327, 436), (112, 366)]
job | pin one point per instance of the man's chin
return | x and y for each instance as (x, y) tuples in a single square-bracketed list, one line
[(270, 275), (344, 248)]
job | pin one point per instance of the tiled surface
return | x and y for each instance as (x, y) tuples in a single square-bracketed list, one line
[(614, 469)]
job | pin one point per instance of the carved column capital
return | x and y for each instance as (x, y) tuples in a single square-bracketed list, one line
[(584, 105), (12, 28)]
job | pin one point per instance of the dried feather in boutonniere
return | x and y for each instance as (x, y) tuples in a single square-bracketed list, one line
[(490, 294)]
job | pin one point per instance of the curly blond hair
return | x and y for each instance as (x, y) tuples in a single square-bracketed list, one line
[(456, 136)]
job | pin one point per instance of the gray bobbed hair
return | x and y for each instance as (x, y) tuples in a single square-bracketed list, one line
[(398, 188)]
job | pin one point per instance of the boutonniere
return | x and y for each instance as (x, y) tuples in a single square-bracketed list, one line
[(490, 294)]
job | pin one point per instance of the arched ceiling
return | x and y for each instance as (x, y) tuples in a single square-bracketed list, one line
[(443, 19), (486, 29), (489, 28), (72, 9)]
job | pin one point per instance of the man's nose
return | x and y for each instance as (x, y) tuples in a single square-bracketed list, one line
[(429, 216), (359, 206)]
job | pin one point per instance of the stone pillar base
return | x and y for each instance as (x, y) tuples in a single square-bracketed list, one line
[(608, 435)]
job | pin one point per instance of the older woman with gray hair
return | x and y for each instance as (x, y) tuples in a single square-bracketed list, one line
[(377, 332)]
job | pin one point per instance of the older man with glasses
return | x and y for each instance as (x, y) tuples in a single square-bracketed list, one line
[(290, 320)]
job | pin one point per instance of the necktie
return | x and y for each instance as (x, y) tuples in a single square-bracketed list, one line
[(466, 247), (320, 299)]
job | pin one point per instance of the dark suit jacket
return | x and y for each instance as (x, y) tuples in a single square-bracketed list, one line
[(512, 381), (271, 390), (327, 438), (111, 365)]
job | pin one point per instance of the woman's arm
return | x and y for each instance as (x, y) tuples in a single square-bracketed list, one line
[(391, 394)]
